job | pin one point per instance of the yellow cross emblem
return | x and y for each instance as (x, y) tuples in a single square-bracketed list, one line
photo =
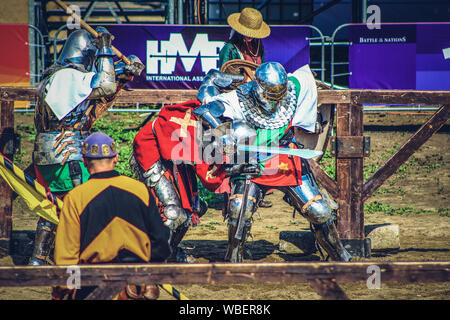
[(210, 173), (283, 167), (184, 123)]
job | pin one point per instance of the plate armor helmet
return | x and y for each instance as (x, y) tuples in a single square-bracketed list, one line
[(79, 50), (270, 85)]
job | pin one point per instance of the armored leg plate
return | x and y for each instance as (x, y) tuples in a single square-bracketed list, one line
[(327, 237), (235, 249), (178, 255), (43, 243)]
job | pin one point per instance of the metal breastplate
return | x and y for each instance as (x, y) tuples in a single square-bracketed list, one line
[(257, 117), (58, 147)]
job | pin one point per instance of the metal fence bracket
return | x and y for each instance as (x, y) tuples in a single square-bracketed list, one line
[(350, 147)]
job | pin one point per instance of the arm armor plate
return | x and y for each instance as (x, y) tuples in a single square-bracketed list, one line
[(104, 81), (210, 112), (215, 82), (164, 191)]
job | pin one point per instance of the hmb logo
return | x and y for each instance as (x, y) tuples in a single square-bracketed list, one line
[(162, 55)]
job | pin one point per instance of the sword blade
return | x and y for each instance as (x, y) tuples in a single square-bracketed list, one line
[(302, 153)]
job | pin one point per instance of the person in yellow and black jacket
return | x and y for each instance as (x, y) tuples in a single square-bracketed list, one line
[(109, 219)]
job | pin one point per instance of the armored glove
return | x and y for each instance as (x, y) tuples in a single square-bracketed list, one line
[(133, 69), (104, 39), (136, 66)]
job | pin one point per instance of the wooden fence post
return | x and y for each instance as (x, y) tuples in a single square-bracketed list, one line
[(7, 148), (349, 150)]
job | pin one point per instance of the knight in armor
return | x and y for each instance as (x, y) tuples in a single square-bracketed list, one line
[(74, 92), (174, 183), (270, 111)]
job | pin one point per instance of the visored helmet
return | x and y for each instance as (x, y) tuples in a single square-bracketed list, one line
[(270, 85), (79, 50)]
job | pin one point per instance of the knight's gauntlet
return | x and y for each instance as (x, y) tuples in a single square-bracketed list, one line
[(104, 81)]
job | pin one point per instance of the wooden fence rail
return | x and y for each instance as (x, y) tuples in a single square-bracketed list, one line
[(322, 277), (170, 96), (349, 146)]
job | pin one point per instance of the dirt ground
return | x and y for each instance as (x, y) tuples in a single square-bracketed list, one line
[(416, 198)]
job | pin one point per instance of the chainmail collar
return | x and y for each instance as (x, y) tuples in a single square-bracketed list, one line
[(256, 115)]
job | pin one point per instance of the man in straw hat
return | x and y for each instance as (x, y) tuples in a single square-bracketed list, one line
[(109, 219), (269, 111), (248, 28)]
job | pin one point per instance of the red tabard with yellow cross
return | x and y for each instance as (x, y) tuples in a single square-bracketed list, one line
[(281, 170), (172, 136)]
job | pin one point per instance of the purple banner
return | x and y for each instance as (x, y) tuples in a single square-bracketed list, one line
[(400, 56), (178, 56)]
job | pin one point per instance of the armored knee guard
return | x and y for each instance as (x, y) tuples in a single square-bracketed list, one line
[(164, 190), (236, 246), (308, 200), (43, 243)]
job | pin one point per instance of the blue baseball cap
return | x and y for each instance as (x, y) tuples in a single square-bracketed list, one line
[(99, 145)]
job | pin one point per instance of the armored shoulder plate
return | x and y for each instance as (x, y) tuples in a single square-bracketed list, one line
[(216, 82), (210, 112)]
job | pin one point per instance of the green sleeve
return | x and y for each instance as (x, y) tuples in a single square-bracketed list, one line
[(296, 83), (263, 55), (227, 53)]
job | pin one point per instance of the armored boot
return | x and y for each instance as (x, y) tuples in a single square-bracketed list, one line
[(43, 243), (177, 235), (319, 210), (327, 237), (235, 249), (178, 255)]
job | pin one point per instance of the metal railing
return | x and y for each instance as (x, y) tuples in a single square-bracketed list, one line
[(37, 59), (333, 43), (322, 38)]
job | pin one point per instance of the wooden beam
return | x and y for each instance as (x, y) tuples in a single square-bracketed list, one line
[(168, 96), (225, 273), (324, 179), (17, 93), (7, 148), (433, 124), (349, 175), (156, 96), (400, 97), (333, 96)]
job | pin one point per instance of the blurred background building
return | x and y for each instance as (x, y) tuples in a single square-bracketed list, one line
[(47, 31)]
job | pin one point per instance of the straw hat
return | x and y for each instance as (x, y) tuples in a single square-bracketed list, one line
[(249, 23)]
